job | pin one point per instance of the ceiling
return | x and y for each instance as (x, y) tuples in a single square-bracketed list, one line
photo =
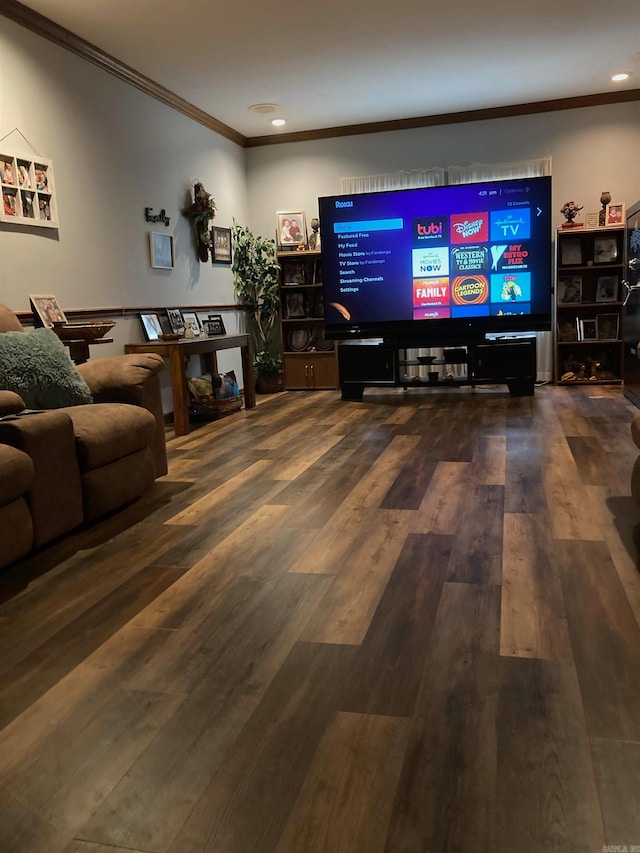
[(334, 64)]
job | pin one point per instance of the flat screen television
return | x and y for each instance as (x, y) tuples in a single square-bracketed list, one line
[(438, 263)]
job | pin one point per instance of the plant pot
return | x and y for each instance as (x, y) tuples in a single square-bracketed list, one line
[(270, 384)]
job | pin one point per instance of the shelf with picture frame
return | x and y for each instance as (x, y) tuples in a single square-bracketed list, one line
[(588, 304), (310, 360), (28, 190)]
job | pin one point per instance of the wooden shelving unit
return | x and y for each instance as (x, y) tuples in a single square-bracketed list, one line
[(309, 359), (588, 306)]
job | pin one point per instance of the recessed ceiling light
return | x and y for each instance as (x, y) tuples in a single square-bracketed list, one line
[(618, 78), (278, 122), (263, 108)]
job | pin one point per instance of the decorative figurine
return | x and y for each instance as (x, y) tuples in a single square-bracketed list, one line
[(570, 211), (314, 238), (605, 198)]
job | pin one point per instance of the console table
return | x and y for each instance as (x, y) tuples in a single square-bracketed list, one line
[(177, 353)]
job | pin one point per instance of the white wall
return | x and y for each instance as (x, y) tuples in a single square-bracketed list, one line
[(593, 149), (115, 151)]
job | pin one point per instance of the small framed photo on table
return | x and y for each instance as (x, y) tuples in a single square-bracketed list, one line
[(291, 229), (190, 319), (214, 325), (176, 320), (220, 245), (151, 326), (161, 251), (615, 213), (46, 310)]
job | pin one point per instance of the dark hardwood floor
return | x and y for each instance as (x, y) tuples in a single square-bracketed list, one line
[(406, 625)]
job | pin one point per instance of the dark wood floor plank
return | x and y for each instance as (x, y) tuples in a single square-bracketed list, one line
[(249, 801), (388, 666), (546, 796), (605, 639), (25, 682), (477, 549), (616, 764), (345, 801), (445, 798), (45, 809), (533, 620)]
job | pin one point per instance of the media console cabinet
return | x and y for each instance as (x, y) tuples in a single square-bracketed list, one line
[(509, 361)]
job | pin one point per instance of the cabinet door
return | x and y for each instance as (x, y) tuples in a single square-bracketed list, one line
[(310, 371)]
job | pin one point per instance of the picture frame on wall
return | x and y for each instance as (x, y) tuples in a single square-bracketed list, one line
[(291, 229), (176, 320), (221, 252), (151, 325), (615, 213), (28, 191), (161, 251), (46, 310), (214, 325)]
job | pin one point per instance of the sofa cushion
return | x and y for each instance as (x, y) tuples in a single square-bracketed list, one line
[(36, 365), (16, 473), (108, 431)]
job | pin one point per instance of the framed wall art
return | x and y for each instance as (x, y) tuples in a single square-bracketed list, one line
[(161, 250), (291, 229), (220, 245), (28, 191), (46, 310)]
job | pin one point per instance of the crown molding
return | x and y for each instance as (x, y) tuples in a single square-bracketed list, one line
[(46, 28), (53, 32), (487, 114)]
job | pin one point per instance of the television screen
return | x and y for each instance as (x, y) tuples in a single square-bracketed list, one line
[(438, 261)]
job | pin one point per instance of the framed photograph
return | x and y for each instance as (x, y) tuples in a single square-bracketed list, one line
[(591, 220), (28, 191), (221, 245), (151, 326), (294, 305), (605, 250), (607, 327), (214, 325), (176, 320), (291, 229), (607, 288), (567, 331), (588, 330), (615, 213), (569, 289), (161, 250), (190, 318), (571, 252), (46, 310)]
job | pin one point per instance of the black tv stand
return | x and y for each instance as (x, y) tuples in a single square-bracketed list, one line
[(502, 360)]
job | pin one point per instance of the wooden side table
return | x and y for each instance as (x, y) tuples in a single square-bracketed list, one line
[(79, 350), (177, 352)]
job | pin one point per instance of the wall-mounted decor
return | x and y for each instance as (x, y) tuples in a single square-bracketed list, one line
[(150, 216), (201, 211), (151, 326), (28, 190), (161, 250), (291, 229), (46, 310), (220, 245)]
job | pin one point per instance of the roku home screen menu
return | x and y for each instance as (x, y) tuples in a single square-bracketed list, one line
[(472, 250)]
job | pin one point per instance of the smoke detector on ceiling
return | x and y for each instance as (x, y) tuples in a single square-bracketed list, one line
[(263, 108)]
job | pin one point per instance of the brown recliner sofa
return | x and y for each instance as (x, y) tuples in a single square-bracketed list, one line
[(87, 460)]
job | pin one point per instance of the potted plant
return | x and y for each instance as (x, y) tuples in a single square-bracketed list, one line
[(255, 282)]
